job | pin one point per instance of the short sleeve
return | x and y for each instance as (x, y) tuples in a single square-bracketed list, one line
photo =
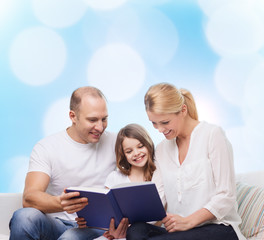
[(115, 178)]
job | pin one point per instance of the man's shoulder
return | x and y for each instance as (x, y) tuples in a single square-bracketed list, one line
[(108, 136), (53, 138)]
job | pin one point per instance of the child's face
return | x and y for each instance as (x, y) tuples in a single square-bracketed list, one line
[(136, 153)]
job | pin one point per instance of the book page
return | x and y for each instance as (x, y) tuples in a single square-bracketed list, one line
[(89, 189), (131, 184)]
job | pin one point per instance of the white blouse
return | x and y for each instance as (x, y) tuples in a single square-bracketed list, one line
[(205, 179)]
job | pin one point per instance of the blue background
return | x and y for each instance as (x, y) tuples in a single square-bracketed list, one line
[(50, 48)]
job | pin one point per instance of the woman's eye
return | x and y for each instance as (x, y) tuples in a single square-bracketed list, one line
[(164, 123)]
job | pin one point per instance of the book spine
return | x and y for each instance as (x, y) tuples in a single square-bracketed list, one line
[(116, 208)]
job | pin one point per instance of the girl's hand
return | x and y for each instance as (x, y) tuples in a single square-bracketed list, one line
[(81, 222), (119, 232), (173, 223)]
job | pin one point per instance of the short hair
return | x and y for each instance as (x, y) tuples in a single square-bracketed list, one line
[(137, 132), (77, 95), (164, 98)]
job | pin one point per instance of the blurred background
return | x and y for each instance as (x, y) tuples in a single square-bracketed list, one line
[(48, 48)]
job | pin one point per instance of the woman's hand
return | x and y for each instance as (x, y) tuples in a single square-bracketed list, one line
[(81, 222), (173, 223)]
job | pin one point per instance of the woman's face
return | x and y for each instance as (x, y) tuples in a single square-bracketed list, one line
[(169, 124)]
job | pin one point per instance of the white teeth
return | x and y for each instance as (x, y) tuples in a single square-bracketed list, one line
[(138, 159)]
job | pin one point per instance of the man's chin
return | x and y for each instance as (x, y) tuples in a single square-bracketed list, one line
[(94, 139)]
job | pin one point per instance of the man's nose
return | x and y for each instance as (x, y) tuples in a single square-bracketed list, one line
[(99, 126)]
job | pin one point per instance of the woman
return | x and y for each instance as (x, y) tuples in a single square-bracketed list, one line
[(195, 162)]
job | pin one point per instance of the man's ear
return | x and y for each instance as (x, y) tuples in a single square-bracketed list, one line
[(72, 116)]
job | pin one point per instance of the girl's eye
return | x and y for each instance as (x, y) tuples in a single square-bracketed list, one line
[(164, 123), (141, 146), (127, 152)]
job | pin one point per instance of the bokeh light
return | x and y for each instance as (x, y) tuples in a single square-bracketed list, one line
[(37, 55)]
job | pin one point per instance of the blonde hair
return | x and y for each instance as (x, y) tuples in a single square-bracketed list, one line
[(137, 132), (164, 98)]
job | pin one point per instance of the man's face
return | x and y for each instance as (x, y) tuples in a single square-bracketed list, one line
[(90, 121)]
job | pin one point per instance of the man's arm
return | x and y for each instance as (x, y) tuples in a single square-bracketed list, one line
[(35, 196), (35, 193)]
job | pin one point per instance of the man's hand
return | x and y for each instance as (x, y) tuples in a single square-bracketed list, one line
[(70, 203), (119, 232)]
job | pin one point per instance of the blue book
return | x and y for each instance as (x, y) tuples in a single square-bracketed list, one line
[(139, 202)]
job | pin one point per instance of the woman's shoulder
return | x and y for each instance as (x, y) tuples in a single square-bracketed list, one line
[(209, 127)]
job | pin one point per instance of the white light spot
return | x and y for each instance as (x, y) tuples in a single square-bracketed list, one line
[(5, 7), (57, 117), (235, 29), (37, 56), (258, 6), (254, 100), (254, 87), (59, 13), (207, 111), (124, 27), (211, 6), (231, 75), (104, 4), (117, 70), (158, 38)]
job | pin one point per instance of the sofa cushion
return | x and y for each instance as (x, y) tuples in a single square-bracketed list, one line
[(250, 201), (259, 236)]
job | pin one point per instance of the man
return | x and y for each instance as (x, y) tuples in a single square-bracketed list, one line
[(81, 155)]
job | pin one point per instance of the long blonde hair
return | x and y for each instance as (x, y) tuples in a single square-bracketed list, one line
[(164, 98)]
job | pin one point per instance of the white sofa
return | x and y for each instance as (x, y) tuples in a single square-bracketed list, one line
[(250, 197)]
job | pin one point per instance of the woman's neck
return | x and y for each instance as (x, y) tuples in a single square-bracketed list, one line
[(189, 125)]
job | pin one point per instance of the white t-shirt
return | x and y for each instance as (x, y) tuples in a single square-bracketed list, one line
[(69, 163), (204, 180), (116, 177)]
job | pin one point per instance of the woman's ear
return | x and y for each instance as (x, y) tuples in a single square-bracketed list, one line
[(184, 109)]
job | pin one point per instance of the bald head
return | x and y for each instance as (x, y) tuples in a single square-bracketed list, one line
[(82, 92)]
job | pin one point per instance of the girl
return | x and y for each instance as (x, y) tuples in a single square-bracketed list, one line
[(134, 151), (196, 166)]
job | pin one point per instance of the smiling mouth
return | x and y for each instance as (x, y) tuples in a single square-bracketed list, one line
[(167, 133), (96, 134), (139, 158)]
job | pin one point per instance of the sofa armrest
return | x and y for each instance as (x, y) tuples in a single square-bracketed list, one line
[(9, 202)]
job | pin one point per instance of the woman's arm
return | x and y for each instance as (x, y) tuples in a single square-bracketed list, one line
[(174, 222)]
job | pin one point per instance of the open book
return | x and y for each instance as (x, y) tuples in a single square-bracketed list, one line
[(139, 202)]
